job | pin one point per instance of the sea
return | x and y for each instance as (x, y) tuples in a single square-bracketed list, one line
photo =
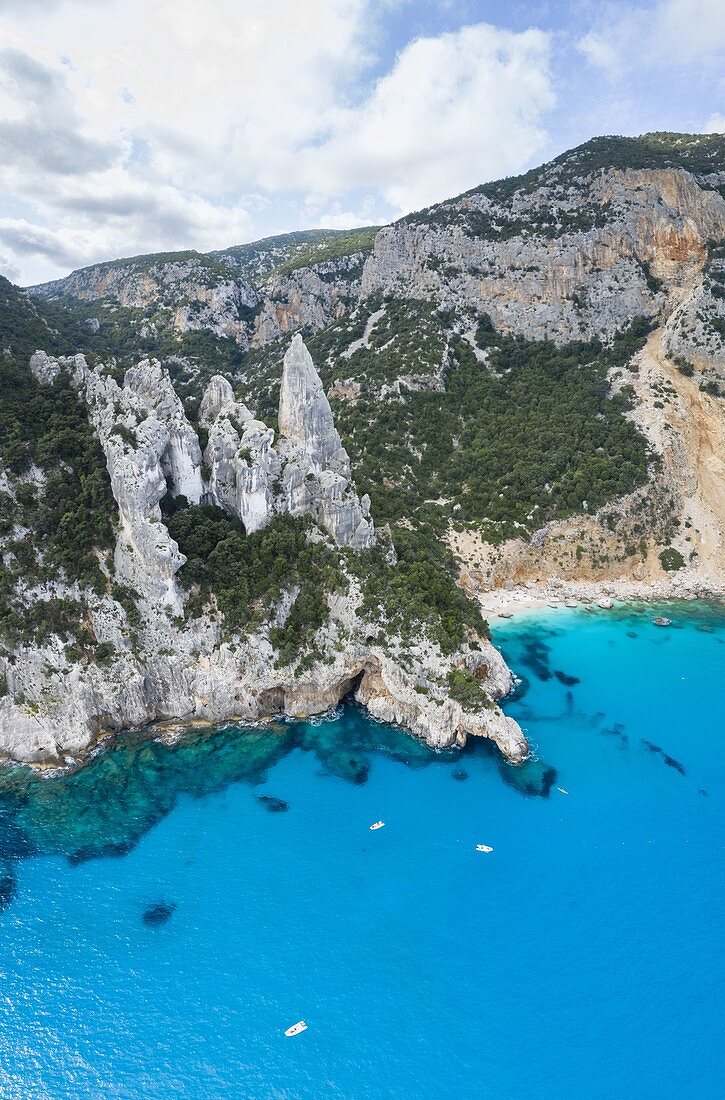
[(167, 912)]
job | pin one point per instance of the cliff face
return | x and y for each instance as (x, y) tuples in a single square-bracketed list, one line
[(165, 664), (247, 296), (647, 232), (316, 476), (531, 373)]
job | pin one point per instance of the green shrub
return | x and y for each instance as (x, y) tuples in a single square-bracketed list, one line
[(466, 689), (671, 559)]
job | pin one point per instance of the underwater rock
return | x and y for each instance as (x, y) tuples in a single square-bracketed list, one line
[(669, 760), (632, 634), (617, 730), (563, 678), (520, 689), (460, 774), (98, 851), (532, 778), (347, 766), (536, 656), (274, 805), (8, 884), (159, 913)]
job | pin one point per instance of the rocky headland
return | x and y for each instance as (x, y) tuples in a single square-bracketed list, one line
[(520, 389), (162, 665)]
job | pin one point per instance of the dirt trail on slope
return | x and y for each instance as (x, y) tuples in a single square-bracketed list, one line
[(690, 434)]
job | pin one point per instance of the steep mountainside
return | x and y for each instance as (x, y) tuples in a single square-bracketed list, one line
[(520, 384)]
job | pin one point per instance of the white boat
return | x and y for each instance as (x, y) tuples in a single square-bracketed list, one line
[(296, 1028), (376, 825), (562, 790), (661, 621), (484, 848)]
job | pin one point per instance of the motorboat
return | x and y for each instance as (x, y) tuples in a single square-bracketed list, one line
[(484, 848), (297, 1028), (376, 825)]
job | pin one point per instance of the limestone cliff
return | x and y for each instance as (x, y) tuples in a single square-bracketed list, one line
[(242, 464), (316, 476), (163, 664), (612, 249), (618, 244)]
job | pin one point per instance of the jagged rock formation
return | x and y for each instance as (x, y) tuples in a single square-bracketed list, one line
[(316, 477), (149, 446), (243, 466), (188, 670), (310, 463), (615, 230)]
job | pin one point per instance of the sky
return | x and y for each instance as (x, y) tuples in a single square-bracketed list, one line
[(131, 126)]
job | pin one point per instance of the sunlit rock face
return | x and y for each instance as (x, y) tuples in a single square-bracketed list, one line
[(317, 479), (242, 463), (150, 448), (613, 245), (307, 474)]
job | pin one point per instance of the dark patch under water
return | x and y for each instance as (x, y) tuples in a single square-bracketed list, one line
[(106, 807), (157, 914), (669, 760), (8, 885), (616, 730), (521, 688), (535, 655), (274, 805), (563, 678), (533, 778), (460, 775)]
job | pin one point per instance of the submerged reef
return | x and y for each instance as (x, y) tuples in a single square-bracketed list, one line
[(106, 807)]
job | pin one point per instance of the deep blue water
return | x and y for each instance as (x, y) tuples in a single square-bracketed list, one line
[(582, 958)]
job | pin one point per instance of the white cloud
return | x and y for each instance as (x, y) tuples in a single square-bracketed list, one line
[(454, 111), (714, 125), (677, 32), (130, 126)]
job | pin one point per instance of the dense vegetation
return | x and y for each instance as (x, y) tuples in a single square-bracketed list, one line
[(333, 247), (418, 593), (249, 574), (289, 251), (530, 436), (59, 518)]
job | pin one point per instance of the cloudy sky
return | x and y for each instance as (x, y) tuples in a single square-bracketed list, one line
[(131, 126)]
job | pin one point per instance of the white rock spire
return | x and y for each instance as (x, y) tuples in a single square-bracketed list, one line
[(316, 476)]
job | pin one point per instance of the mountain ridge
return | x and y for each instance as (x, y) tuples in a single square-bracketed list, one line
[(525, 383)]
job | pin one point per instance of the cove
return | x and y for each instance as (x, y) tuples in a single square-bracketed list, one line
[(579, 958)]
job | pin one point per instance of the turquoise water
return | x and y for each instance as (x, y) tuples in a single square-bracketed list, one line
[(582, 958)]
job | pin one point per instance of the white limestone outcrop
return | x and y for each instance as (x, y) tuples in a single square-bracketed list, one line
[(316, 477), (55, 713), (307, 474), (242, 463), (150, 447)]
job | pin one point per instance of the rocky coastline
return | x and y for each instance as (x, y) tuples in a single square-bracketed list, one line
[(165, 666)]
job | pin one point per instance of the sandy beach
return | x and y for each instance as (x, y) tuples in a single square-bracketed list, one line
[(516, 600)]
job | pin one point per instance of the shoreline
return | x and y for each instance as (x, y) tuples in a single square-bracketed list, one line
[(553, 595)]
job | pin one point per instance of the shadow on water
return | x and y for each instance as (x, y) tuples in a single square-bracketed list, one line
[(107, 806)]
